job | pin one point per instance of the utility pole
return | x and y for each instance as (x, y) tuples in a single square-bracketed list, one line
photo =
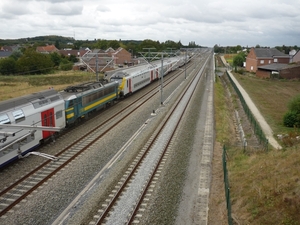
[(161, 79), (149, 52), (185, 59), (97, 75), (185, 65)]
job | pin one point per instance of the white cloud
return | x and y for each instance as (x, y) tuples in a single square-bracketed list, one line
[(231, 22), (64, 9)]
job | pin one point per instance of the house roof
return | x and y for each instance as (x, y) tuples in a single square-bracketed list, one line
[(273, 66), (4, 54), (47, 48), (76, 53), (7, 48), (278, 66), (110, 49), (269, 53)]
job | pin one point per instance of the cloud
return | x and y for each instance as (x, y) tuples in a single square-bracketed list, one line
[(102, 8), (10, 10), (64, 9), (231, 22)]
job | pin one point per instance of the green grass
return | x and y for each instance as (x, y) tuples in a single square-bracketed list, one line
[(271, 98)]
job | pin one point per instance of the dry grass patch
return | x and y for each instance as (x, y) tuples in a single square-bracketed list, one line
[(265, 187), (15, 86)]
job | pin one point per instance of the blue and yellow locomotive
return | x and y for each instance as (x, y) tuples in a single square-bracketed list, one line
[(83, 99)]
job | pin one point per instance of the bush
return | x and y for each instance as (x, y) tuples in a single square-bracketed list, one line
[(66, 67), (291, 119), (241, 71), (294, 104)]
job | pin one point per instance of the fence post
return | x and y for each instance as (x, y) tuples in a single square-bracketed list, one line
[(226, 186)]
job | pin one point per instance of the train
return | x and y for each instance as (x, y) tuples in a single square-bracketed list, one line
[(27, 121)]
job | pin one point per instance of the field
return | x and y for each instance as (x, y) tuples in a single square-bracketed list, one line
[(14, 86), (264, 186), (229, 58)]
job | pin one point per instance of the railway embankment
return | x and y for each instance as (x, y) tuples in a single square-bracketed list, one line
[(256, 113)]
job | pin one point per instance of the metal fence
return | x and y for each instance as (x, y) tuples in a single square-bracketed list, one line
[(227, 187), (256, 127)]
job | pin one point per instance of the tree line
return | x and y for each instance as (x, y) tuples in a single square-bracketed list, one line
[(28, 61)]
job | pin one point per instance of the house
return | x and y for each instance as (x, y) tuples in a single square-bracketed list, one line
[(296, 57), (6, 51), (5, 54), (46, 49), (10, 48), (121, 56), (96, 60), (264, 56), (279, 70), (106, 60), (69, 52), (6, 48)]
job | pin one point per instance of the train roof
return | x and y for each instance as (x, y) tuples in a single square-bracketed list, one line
[(83, 87), (27, 99), (138, 69), (72, 92)]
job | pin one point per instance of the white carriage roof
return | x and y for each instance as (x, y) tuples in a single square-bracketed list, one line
[(16, 102), (138, 69)]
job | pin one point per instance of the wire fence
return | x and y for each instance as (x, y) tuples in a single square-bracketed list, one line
[(226, 185), (255, 125)]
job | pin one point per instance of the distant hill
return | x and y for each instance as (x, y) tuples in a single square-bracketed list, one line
[(50, 39)]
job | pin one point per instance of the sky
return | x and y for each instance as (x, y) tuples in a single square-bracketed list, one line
[(205, 22)]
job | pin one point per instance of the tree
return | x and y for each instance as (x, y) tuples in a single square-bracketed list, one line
[(56, 58), (114, 44), (238, 48), (238, 60), (16, 54), (65, 64), (8, 66), (57, 44), (33, 62), (73, 58), (102, 44)]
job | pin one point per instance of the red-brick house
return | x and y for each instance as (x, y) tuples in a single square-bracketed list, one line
[(46, 49), (264, 56), (96, 57), (296, 57), (69, 52), (106, 60), (121, 56)]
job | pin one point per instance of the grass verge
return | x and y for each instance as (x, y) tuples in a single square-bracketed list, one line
[(265, 186)]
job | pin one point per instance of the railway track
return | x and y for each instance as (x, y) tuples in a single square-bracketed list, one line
[(125, 203), (15, 193)]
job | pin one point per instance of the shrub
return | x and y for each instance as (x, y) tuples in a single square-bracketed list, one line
[(291, 119), (294, 104)]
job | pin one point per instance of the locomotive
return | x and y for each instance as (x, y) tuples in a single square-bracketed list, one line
[(26, 122)]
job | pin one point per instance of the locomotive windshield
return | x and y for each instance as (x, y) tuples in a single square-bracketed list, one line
[(118, 76)]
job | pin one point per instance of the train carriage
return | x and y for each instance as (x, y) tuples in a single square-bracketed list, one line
[(44, 108), (134, 79)]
